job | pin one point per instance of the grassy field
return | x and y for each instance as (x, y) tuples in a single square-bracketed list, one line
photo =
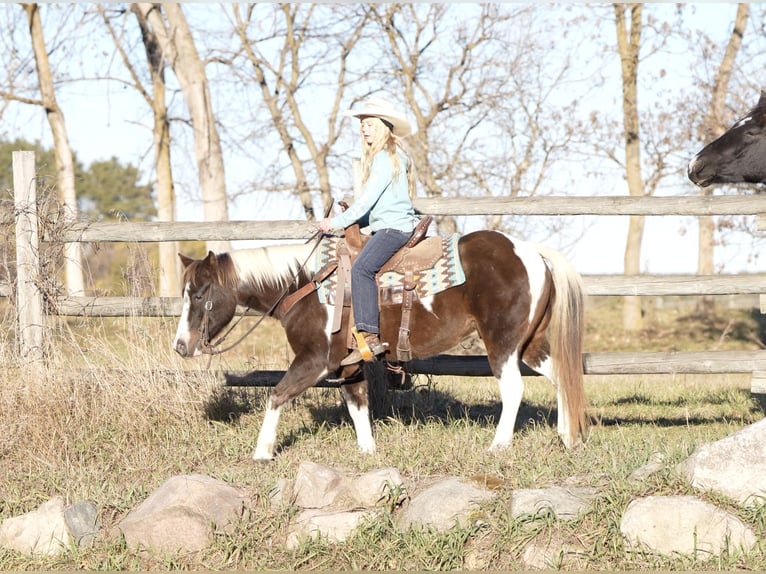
[(112, 436)]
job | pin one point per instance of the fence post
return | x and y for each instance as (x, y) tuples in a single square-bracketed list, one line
[(29, 300)]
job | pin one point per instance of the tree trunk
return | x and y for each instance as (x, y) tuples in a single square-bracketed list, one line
[(628, 44), (75, 283), (178, 47), (715, 125), (168, 260)]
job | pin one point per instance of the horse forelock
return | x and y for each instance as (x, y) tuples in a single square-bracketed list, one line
[(223, 272), (275, 265)]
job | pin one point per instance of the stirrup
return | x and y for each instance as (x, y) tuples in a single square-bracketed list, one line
[(364, 351)]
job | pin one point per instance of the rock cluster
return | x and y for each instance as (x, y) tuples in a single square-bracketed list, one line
[(185, 513)]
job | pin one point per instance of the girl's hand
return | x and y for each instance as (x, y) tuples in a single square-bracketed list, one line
[(325, 226)]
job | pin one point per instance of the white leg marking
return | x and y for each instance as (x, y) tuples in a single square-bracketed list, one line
[(563, 422), (267, 437), (511, 391), (361, 419)]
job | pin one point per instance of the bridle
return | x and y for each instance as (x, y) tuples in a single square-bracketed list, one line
[(208, 348)]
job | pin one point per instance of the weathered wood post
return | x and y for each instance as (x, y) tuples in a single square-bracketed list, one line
[(29, 299)]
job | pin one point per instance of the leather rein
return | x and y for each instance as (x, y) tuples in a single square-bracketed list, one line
[(279, 309)]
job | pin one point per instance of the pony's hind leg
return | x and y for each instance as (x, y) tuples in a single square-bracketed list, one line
[(563, 420), (267, 437), (511, 391), (355, 396)]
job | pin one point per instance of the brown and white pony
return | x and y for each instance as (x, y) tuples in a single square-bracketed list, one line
[(524, 300)]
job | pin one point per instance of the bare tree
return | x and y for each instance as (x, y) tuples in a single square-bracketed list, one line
[(169, 263), (314, 45), (716, 122), (628, 45), (64, 161), (167, 24), (480, 96)]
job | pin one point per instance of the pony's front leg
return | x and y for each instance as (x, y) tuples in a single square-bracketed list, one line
[(303, 373), (511, 392), (357, 402), (267, 437)]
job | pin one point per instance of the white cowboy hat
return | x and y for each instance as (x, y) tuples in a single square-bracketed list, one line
[(380, 108)]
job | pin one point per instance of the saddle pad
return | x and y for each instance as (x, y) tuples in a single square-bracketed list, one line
[(446, 272), (327, 252)]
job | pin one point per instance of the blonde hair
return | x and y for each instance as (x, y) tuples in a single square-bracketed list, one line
[(386, 140)]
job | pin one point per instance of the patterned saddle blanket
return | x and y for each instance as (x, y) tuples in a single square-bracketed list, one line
[(433, 265)]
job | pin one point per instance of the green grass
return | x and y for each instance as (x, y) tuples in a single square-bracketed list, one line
[(115, 436)]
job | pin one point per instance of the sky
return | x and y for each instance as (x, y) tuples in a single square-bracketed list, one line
[(105, 121)]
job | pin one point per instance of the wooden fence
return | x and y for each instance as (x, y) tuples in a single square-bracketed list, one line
[(29, 302)]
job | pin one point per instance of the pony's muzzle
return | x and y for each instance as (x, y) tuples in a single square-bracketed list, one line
[(693, 171), (181, 348)]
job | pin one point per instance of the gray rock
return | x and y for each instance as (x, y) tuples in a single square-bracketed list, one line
[(82, 522), (566, 502), (182, 515), (546, 552), (318, 486), (40, 532), (376, 487), (684, 525), (333, 526), (734, 466), (445, 504)]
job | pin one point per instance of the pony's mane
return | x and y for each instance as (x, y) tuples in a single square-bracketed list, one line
[(275, 265), (757, 114)]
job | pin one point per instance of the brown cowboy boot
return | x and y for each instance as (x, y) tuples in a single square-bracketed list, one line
[(368, 346)]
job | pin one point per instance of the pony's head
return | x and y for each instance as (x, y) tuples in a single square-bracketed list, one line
[(209, 301), (737, 156)]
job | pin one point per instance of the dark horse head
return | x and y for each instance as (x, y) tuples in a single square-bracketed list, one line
[(738, 156)]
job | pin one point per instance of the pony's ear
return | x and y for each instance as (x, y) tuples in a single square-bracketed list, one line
[(210, 259), (185, 260)]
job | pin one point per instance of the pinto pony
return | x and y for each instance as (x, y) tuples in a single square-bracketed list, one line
[(738, 155), (525, 301)]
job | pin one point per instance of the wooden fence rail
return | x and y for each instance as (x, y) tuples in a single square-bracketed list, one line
[(611, 285)]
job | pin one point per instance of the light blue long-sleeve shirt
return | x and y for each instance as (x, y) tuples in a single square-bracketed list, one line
[(385, 199)]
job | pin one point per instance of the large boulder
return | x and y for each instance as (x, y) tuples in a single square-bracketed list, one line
[(51, 529), (332, 503), (40, 532), (734, 466), (683, 525), (565, 502), (182, 515), (318, 486), (449, 502)]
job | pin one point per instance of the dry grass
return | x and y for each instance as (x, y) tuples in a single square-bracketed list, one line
[(115, 414)]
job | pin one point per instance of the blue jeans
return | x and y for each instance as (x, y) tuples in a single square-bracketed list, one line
[(364, 290)]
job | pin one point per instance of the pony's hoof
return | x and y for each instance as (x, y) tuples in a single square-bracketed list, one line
[(262, 458)]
